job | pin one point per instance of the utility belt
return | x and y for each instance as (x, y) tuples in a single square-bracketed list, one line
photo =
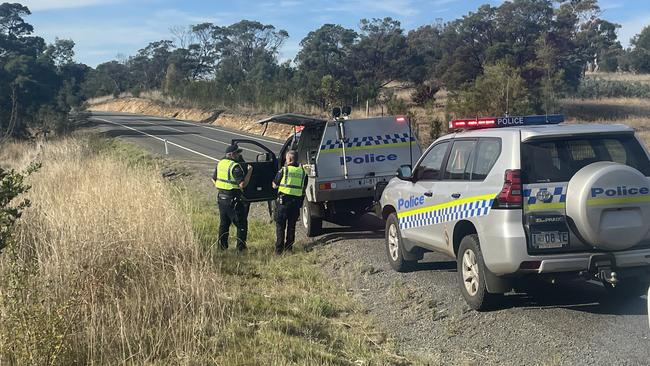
[(286, 199), (233, 197)]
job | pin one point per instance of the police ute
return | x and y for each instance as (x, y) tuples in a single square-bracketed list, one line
[(509, 197), (345, 160)]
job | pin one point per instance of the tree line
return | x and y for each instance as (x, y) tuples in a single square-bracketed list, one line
[(518, 57)]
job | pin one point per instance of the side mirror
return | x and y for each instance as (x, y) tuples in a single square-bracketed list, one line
[(262, 157), (404, 172)]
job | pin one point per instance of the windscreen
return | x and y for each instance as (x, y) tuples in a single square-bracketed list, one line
[(559, 159)]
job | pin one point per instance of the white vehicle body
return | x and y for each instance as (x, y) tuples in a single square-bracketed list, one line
[(557, 227), (346, 159)]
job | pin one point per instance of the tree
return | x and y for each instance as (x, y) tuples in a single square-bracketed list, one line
[(379, 57), (499, 90), (12, 23), (61, 52), (326, 52), (640, 53)]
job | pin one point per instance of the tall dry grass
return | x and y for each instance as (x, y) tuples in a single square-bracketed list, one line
[(117, 260), (112, 265)]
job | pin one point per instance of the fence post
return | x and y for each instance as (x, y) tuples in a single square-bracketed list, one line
[(166, 148)]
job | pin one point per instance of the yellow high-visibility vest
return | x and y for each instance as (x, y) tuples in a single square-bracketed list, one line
[(225, 179), (292, 180)]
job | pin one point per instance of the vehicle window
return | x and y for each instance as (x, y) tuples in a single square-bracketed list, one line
[(458, 166), (558, 159), (487, 154), (432, 162)]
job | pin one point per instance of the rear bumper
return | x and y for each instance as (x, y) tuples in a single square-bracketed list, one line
[(580, 261), (504, 249)]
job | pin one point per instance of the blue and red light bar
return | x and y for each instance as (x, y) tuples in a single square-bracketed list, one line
[(506, 121)]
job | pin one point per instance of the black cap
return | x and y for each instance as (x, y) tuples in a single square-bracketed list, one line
[(233, 148)]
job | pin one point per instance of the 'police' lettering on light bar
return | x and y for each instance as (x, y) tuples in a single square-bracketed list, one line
[(507, 121)]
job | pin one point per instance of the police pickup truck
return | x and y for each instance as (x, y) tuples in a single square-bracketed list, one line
[(514, 196), (345, 159)]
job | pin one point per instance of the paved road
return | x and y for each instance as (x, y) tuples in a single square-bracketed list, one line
[(423, 310), (194, 143)]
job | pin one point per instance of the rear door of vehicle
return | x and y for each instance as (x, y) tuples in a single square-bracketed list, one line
[(265, 167), (548, 164), (370, 147)]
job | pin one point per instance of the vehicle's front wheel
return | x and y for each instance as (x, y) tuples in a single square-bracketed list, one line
[(313, 224), (472, 274), (394, 246)]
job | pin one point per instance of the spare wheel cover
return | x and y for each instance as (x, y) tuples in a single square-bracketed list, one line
[(610, 205)]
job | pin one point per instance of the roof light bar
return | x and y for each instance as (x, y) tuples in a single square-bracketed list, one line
[(506, 121)]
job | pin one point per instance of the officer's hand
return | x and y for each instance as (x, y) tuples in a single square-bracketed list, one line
[(250, 167)]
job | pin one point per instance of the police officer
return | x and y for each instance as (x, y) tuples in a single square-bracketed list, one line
[(230, 179), (290, 182)]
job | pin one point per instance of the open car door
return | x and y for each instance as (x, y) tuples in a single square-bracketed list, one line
[(265, 167)]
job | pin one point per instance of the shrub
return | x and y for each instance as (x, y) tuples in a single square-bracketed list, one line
[(602, 88)]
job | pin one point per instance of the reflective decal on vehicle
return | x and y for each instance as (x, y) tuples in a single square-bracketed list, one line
[(618, 195), (367, 142), (544, 198), (449, 211)]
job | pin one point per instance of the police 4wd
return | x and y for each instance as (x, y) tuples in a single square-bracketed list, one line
[(513, 196)]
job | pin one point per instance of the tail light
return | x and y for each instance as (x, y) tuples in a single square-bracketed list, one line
[(326, 186), (510, 195)]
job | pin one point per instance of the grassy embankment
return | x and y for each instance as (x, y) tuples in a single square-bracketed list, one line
[(114, 264), (613, 98)]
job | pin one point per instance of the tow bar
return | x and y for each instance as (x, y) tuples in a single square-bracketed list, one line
[(602, 267)]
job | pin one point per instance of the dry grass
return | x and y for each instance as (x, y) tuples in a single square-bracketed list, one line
[(621, 109), (618, 76), (112, 264)]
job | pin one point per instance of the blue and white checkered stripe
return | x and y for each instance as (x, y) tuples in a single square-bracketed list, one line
[(453, 213), (558, 194), (368, 141)]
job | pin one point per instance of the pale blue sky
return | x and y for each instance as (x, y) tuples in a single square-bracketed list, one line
[(102, 29)]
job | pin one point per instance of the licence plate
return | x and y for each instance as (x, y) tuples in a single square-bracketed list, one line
[(550, 239), (370, 181)]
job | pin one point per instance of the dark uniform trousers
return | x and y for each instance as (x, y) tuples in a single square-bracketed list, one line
[(232, 210), (288, 212)]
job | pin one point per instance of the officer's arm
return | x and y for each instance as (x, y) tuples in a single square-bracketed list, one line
[(278, 179), (247, 178), (214, 176)]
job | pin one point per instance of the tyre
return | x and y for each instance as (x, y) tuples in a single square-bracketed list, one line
[(472, 274), (313, 224), (627, 289), (395, 247)]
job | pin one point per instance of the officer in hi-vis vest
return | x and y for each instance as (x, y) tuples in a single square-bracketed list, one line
[(290, 182), (229, 177)]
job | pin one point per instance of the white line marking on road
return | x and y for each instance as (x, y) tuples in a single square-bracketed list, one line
[(158, 138), (197, 135), (228, 131)]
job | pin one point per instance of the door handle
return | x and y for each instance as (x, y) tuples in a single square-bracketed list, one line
[(455, 195), (428, 194)]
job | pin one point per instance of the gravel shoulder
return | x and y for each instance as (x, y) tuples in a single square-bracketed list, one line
[(541, 324)]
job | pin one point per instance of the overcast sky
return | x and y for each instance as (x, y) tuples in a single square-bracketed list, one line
[(102, 29)]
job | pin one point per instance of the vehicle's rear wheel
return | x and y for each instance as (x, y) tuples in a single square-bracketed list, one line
[(313, 224), (472, 274), (394, 246)]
